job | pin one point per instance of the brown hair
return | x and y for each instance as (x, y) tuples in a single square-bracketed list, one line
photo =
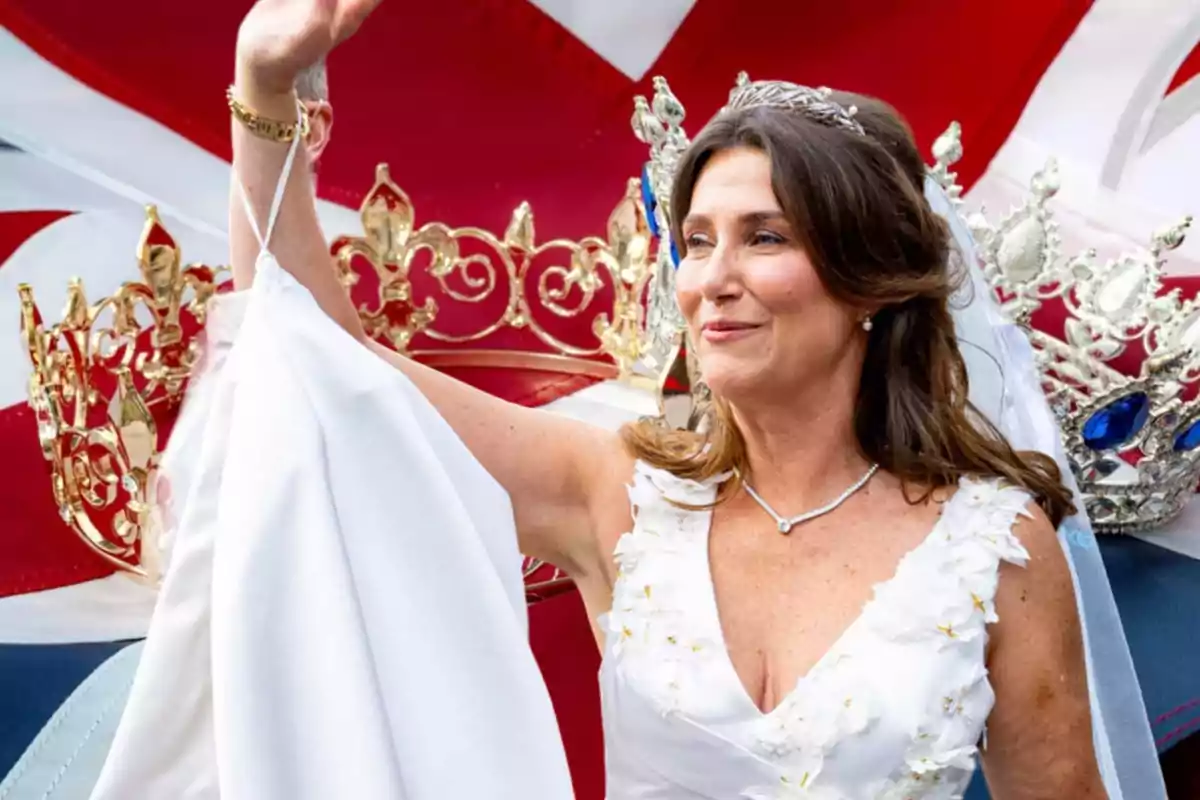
[(858, 206)]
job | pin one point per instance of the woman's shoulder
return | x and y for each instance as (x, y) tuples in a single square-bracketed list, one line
[(606, 469), (673, 483), (992, 488), (642, 479), (1036, 605), (1025, 538), (628, 478), (998, 497), (1037, 535), (680, 464), (999, 514)]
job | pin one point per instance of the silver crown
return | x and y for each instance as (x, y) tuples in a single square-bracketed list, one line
[(1133, 441)]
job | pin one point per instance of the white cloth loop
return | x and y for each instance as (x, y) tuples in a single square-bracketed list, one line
[(264, 240)]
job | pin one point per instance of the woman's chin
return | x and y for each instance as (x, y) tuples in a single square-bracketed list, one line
[(732, 378)]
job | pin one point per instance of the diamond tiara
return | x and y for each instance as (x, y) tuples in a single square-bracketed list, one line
[(814, 104)]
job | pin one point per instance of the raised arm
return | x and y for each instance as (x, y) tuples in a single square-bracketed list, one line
[(277, 40), (561, 475)]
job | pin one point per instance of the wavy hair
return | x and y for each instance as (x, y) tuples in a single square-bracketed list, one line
[(858, 206)]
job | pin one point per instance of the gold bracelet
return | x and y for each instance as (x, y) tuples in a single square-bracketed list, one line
[(272, 129)]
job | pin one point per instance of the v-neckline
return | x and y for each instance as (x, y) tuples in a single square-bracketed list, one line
[(834, 649)]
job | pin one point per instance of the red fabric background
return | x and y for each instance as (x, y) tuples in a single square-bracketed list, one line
[(18, 226), (1189, 69)]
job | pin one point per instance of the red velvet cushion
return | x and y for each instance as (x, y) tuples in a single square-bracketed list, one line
[(1051, 317)]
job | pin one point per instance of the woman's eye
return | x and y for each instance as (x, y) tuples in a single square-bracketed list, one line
[(695, 240), (766, 238)]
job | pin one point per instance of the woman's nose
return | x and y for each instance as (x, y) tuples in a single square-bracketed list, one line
[(720, 278)]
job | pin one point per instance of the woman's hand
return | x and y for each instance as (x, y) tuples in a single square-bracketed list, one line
[(278, 39)]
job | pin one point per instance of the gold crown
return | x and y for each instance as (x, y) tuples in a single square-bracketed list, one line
[(108, 378), (505, 283)]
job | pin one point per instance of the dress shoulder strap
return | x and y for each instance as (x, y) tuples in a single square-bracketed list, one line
[(264, 239), (659, 565), (984, 512), (945, 589), (655, 489)]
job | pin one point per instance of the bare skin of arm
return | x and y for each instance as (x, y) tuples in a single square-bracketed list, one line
[(1039, 743), (553, 469)]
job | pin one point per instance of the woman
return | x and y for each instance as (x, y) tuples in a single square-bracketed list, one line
[(852, 586)]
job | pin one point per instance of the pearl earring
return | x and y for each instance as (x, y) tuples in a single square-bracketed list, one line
[(867, 324)]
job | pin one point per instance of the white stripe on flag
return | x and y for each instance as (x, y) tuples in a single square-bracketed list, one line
[(104, 610), (629, 34), (64, 760)]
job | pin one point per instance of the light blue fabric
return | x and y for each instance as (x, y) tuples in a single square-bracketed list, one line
[(64, 760)]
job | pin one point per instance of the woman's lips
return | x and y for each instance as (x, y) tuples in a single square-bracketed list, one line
[(724, 331)]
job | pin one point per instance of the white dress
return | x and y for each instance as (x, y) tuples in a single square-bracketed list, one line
[(895, 710)]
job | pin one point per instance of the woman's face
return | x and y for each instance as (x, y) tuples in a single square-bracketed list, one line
[(761, 322)]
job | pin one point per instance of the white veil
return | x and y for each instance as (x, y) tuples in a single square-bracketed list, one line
[(1005, 387)]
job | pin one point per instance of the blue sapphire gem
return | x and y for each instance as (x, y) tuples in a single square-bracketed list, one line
[(1189, 439), (649, 201), (1117, 423)]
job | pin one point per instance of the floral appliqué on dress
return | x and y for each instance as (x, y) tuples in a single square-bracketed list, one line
[(906, 683)]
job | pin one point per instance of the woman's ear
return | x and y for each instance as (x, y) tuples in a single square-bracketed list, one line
[(320, 117)]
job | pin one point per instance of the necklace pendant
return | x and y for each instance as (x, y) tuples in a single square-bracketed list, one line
[(785, 525)]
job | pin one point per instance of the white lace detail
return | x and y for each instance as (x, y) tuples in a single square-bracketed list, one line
[(929, 620)]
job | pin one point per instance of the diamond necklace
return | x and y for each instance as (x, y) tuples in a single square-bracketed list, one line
[(786, 524)]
